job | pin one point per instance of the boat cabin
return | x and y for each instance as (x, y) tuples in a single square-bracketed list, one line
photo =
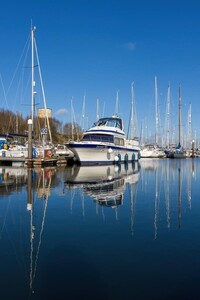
[(103, 138)]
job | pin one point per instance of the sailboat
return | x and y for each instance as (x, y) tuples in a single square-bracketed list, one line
[(153, 150), (178, 152), (42, 148), (45, 148), (132, 137)]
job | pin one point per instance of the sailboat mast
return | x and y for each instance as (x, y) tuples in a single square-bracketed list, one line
[(133, 114), (156, 110), (83, 115), (72, 119), (97, 117), (179, 116), (117, 104), (33, 29), (189, 124), (168, 115)]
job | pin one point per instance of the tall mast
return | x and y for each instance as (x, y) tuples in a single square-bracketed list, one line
[(35, 57), (72, 119), (83, 115), (168, 115), (179, 116), (156, 110), (189, 124), (97, 117), (117, 104), (133, 114), (33, 29)]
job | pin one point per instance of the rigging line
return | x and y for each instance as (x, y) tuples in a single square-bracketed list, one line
[(42, 227), (12, 244), (43, 93), (103, 215), (4, 93), (4, 222), (18, 65), (23, 90), (5, 98), (15, 72), (72, 200), (82, 202)]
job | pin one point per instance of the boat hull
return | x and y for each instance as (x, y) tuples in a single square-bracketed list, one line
[(98, 153)]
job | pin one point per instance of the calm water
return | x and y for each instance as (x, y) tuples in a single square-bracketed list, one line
[(101, 232)]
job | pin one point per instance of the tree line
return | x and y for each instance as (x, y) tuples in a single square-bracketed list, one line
[(15, 123)]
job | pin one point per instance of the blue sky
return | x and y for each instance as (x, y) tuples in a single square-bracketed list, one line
[(96, 48)]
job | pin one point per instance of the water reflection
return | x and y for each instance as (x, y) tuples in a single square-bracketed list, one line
[(34, 184), (41, 179), (105, 184), (167, 183), (172, 181), (11, 179), (146, 207)]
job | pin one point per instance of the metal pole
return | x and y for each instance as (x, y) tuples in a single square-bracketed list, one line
[(30, 152)]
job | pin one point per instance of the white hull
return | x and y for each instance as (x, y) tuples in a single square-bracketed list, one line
[(98, 153), (151, 151), (13, 153), (152, 154)]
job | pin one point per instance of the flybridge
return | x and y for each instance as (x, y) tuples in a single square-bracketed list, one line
[(109, 122)]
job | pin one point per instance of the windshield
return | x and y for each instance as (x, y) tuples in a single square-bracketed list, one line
[(110, 122)]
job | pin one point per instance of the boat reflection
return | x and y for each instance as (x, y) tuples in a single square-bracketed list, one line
[(11, 179), (105, 184)]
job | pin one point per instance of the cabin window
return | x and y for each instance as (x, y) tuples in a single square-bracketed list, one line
[(119, 141), (98, 138), (110, 122)]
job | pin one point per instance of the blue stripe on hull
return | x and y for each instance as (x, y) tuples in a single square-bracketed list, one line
[(92, 146), (105, 131)]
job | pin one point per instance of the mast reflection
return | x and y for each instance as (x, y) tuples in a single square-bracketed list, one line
[(172, 181), (42, 183)]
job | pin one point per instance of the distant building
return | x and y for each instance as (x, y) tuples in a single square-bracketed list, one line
[(43, 113)]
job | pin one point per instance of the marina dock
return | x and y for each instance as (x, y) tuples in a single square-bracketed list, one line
[(22, 161)]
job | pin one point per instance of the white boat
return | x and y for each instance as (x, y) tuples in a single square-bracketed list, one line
[(105, 143), (12, 149), (62, 150), (152, 151)]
